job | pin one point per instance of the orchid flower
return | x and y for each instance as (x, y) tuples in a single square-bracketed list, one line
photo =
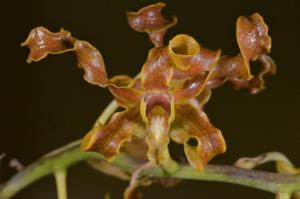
[(165, 101)]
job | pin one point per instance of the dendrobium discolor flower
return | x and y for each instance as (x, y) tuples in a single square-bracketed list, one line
[(165, 101)]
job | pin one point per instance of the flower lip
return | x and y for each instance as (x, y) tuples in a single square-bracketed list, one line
[(157, 104)]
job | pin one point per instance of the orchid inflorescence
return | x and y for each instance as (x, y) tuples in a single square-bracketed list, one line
[(166, 100)]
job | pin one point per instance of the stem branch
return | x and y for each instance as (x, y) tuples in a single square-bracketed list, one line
[(71, 154), (61, 184), (57, 162)]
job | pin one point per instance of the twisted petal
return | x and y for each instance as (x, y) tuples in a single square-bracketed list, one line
[(201, 140), (42, 42), (91, 61), (109, 138), (149, 19), (157, 71), (254, 43), (157, 111)]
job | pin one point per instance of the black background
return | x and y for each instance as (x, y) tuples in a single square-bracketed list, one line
[(47, 104)]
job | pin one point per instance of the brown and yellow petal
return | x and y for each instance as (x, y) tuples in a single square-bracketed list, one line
[(202, 141), (254, 43), (149, 19), (157, 71), (108, 139), (42, 42), (157, 111)]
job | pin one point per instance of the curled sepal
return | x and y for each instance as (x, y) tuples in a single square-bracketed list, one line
[(157, 111), (182, 49), (149, 19), (189, 58), (42, 42), (108, 139), (201, 140)]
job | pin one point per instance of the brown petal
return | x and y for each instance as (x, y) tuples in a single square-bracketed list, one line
[(229, 68), (109, 138), (91, 61), (252, 36), (157, 71), (149, 19), (209, 140), (254, 43), (157, 111), (42, 42)]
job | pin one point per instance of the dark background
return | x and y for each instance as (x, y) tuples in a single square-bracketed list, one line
[(47, 104)]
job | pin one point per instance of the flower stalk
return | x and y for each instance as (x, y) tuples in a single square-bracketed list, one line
[(281, 184), (58, 161), (61, 184)]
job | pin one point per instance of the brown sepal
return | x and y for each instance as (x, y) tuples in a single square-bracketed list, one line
[(149, 19)]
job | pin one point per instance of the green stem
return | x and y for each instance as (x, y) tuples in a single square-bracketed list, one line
[(62, 158), (71, 154), (61, 184), (108, 111)]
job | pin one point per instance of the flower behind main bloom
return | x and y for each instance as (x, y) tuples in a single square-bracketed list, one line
[(166, 100)]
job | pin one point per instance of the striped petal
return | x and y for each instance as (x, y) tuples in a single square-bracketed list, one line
[(202, 141), (42, 42), (254, 43), (108, 139), (157, 71)]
